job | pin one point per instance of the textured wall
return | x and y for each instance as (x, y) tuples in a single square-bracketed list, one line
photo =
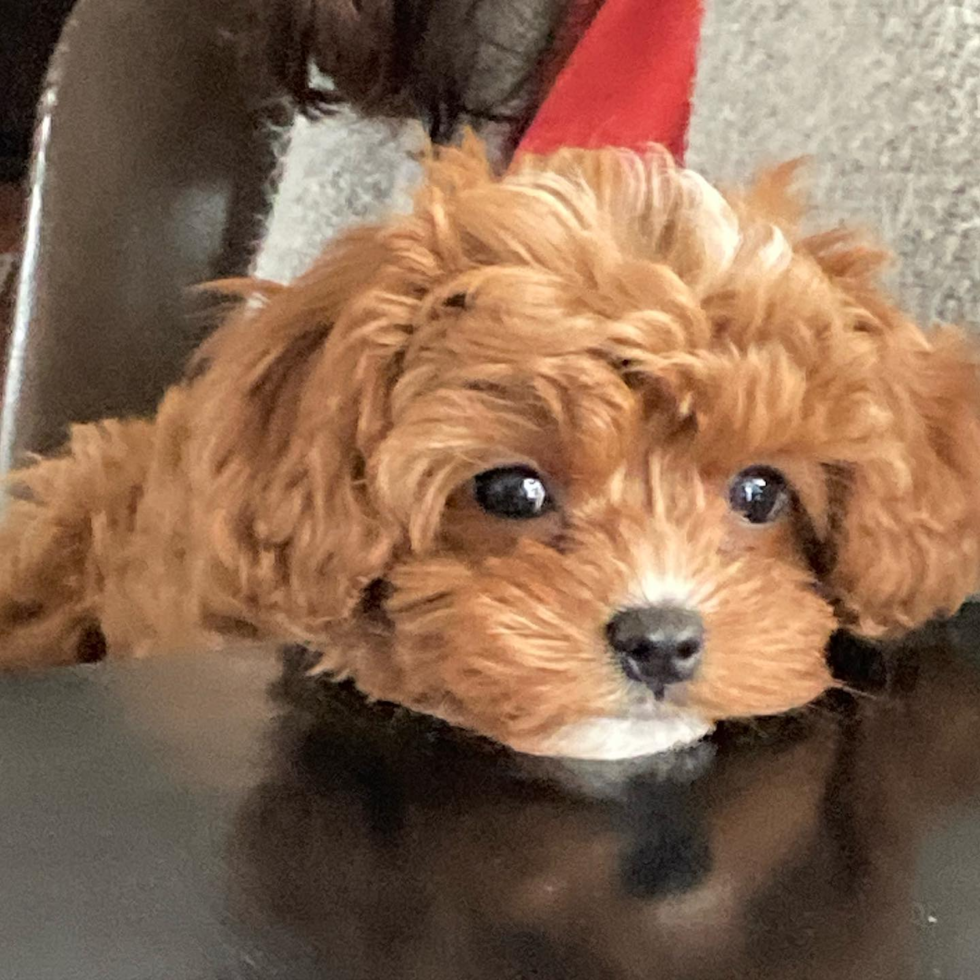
[(885, 94)]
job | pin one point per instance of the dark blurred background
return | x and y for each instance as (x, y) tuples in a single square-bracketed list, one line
[(28, 32)]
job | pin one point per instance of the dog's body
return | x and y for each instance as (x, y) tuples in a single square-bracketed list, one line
[(485, 458)]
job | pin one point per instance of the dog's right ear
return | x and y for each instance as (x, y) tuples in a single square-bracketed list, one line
[(289, 400)]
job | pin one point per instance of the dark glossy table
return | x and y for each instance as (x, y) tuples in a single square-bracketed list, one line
[(174, 820)]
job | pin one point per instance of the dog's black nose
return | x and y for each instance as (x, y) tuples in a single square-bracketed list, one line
[(658, 645)]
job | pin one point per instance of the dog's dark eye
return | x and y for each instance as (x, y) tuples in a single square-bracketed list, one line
[(515, 492), (759, 494)]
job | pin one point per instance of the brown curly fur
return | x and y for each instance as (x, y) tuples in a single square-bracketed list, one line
[(604, 316)]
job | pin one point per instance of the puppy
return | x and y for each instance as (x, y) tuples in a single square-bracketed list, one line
[(583, 458)]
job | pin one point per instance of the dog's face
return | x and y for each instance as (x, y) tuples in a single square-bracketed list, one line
[(589, 457)]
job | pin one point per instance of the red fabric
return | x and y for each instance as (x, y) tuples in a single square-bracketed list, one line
[(627, 83)]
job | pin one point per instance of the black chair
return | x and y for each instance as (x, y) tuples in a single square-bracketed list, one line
[(153, 161)]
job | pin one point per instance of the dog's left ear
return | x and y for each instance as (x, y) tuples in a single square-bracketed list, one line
[(290, 398), (909, 547)]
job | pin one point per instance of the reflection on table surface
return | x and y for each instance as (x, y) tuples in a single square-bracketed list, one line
[(782, 850), (370, 843)]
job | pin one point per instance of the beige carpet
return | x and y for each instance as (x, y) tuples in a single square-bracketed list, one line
[(884, 93)]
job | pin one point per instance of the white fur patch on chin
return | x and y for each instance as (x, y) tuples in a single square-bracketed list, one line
[(648, 729)]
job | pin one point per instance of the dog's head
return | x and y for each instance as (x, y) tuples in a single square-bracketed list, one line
[(587, 457)]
